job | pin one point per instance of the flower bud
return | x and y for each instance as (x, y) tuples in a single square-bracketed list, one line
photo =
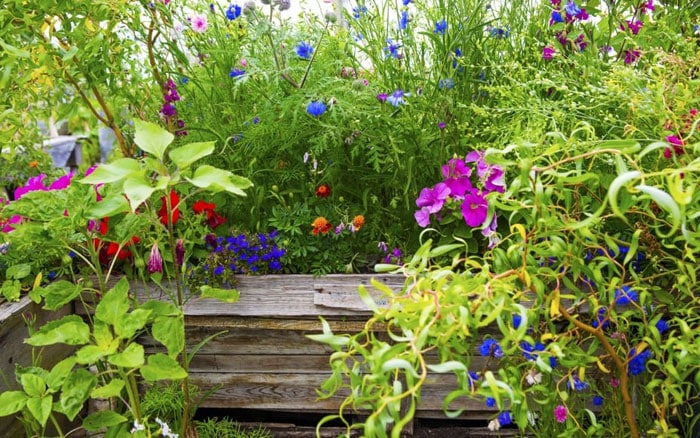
[(331, 17), (179, 252), (155, 260)]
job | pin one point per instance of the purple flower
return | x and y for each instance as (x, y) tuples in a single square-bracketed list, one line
[(304, 50), (548, 53), (168, 110), (34, 184), (474, 209), (155, 260), (631, 56), (441, 125), (382, 97), (392, 49), (560, 413), (179, 252), (62, 182), (634, 26), (434, 197)]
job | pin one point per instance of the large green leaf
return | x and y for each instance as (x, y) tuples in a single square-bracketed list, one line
[(112, 389), (137, 189), (19, 271), (184, 156), (216, 180), (170, 331), (114, 304), (162, 367), (33, 385), (12, 402), (117, 170), (71, 330), (60, 372), (151, 138), (102, 419), (75, 391), (59, 293), (109, 206), (132, 357), (128, 324), (40, 408)]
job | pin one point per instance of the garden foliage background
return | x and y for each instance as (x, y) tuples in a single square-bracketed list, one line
[(583, 117)]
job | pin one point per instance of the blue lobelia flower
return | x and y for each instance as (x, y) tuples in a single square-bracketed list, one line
[(236, 73), (597, 400), (662, 326), (440, 27), (490, 402), (490, 347), (304, 50), (316, 108), (625, 296), (637, 362), (505, 418)]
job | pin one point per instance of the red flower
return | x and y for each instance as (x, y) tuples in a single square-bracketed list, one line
[(320, 225), (213, 218), (676, 147), (163, 212), (323, 191)]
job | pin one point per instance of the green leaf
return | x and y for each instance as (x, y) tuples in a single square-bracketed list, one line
[(12, 402), (71, 330), (328, 337), (137, 189), (75, 391), (14, 51), (395, 363), (151, 138), (59, 293), (624, 146), (615, 187), (117, 170), (225, 295), (18, 272), (132, 357), (665, 201), (109, 206), (447, 367), (184, 156), (11, 289), (215, 180), (161, 308), (162, 367), (128, 324), (98, 420), (92, 353), (60, 372), (114, 304), (112, 389), (40, 408), (170, 331), (367, 299)]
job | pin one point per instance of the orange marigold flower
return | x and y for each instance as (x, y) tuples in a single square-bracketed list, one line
[(34, 163), (321, 225), (323, 191), (358, 222)]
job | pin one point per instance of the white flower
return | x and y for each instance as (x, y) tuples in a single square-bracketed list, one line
[(533, 376), (165, 429), (494, 425), (532, 417), (137, 427)]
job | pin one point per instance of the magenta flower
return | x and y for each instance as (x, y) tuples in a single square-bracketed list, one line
[(13, 220), (548, 53), (155, 260), (631, 56), (456, 174), (474, 209), (676, 147), (199, 23), (422, 217), (560, 413), (634, 26), (433, 198), (62, 182), (34, 184), (382, 97)]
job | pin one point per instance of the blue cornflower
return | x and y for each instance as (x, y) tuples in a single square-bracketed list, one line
[(572, 9), (184, 80), (359, 11), (403, 21), (316, 108), (578, 384), (236, 73), (392, 49), (625, 296), (597, 400), (490, 402), (406, 2), (637, 362), (455, 62), (233, 12), (662, 326), (505, 418), (304, 50), (497, 32), (446, 83), (396, 98), (51, 275), (490, 347), (556, 18), (440, 27)]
